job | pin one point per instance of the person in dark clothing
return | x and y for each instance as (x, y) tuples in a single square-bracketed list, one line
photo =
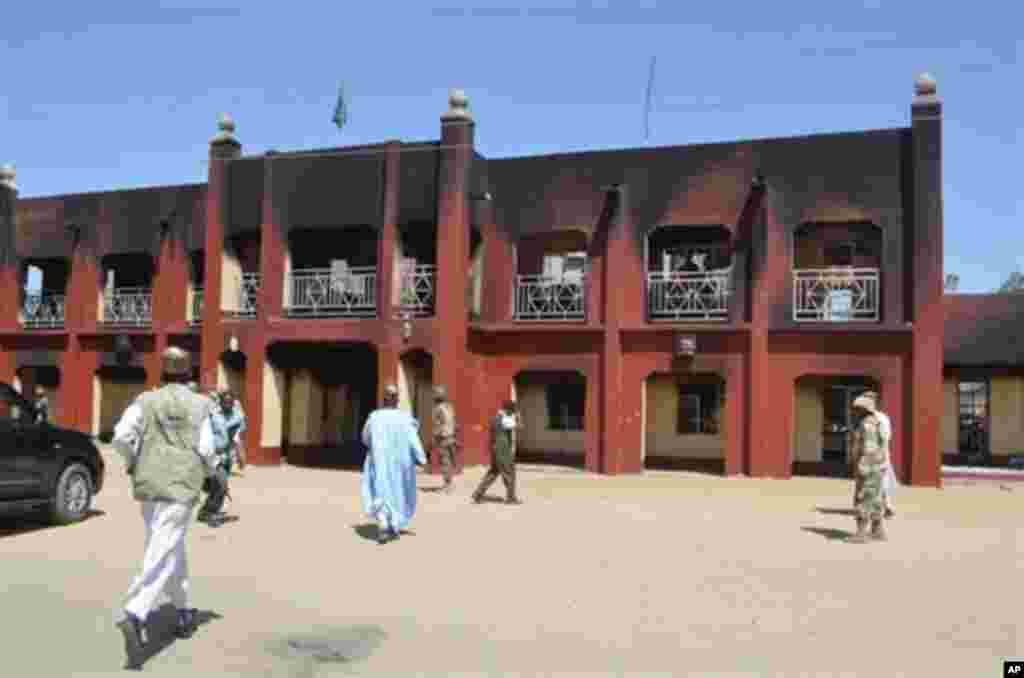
[(503, 454)]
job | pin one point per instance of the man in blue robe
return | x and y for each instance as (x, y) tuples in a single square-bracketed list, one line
[(394, 449)]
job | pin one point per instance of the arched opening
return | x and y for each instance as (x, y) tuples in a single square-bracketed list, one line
[(127, 296), (552, 407), (837, 272), (689, 273), (824, 422), (321, 396), (332, 272), (415, 381), (417, 268), (115, 387), (44, 293), (683, 422), (240, 275), (551, 275)]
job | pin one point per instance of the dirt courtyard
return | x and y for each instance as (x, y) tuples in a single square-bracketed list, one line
[(669, 574)]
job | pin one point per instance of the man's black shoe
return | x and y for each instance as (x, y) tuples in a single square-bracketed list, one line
[(186, 625), (134, 633), (513, 500)]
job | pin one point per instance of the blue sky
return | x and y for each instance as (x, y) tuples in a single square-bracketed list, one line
[(99, 96)]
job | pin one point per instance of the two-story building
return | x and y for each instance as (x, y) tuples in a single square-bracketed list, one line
[(711, 306)]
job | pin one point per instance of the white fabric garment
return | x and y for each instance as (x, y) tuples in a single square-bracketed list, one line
[(508, 421), (164, 565), (889, 481)]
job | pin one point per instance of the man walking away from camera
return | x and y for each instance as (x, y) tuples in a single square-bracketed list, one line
[(166, 440), (394, 449)]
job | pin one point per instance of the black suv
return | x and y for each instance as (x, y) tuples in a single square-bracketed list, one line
[(43, 466)]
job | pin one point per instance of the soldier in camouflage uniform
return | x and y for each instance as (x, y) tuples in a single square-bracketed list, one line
[(444, 434), (503, 454), (870, 461), (166, 440)]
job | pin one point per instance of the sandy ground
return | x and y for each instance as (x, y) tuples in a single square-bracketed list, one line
[(668, 574)]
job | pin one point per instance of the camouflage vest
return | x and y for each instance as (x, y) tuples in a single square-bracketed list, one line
[(444, 422), (873, 446), (169, 467)]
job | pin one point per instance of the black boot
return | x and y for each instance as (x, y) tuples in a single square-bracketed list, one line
[(186, 625), (134, 632)]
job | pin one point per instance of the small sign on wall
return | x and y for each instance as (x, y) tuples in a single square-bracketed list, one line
[(685, 345)]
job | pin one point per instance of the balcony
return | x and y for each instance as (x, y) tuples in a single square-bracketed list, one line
[(417, 296), (332, 293), (836, 294), (128, 307), (196, 312), (689, 296), (550, 298), (248, 297), (43, 310)]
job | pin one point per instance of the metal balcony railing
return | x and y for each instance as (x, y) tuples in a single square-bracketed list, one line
[(838, 294), (43, 310), (328, 293), (128, 306), (417, 291), (248, 297), (196, 311), (550, 298), (689, 296)]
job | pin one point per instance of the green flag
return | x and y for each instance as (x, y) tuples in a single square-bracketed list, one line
[(340, 109)]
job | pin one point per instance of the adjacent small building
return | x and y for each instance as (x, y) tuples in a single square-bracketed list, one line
[(709, 306)]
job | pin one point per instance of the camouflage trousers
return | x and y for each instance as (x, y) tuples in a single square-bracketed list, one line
[(870, 500), (445, 449), (507, 471)]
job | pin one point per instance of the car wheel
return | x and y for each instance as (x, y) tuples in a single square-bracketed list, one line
[(73, 497)]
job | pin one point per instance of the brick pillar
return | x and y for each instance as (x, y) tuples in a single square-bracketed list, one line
[(223, 149), (735, 415), (10, 268), (453, 250), (388, 236), (499, 267), (925, 450), (273, 247), (170, 303), (613, 445), (255, 349)]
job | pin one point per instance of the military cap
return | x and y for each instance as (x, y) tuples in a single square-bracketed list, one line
[(440, 392), (866, 401)]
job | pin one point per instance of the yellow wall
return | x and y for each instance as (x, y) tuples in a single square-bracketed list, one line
[(662, 438), (950, 417), (1006, 415), (273, 391), (535, 435), (809, 419), (114, 399)]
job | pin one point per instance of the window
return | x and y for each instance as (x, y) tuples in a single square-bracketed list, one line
[(565, 406), (699, 408)]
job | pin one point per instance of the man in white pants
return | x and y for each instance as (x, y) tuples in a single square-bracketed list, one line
[(166, 439)]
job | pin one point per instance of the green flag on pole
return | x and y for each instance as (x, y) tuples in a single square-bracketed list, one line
[(340, 109)]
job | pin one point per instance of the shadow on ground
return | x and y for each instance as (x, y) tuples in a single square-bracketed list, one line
[(368, 531), (160, 628), (829, 533), (13, 525), (852, 513)]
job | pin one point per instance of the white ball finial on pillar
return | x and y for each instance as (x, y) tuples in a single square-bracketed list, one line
[(458, 106), (7, 177), (924, 85), (226, 125)]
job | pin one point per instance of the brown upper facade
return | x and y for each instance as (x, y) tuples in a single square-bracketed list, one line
[(832, 232)]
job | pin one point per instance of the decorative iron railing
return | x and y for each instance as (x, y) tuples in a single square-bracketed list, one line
[(540, 297), (328, 293), (128, 306), (196, 311), (689, 296), (248, 297), (838, 294), (417, 291), (43, 310)]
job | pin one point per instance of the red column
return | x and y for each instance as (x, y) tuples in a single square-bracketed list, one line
[(499, 267), (388, 236), (256, 352), (453, 250), (223, 148), (10, 268), (735, 415), (927, 310), (273, 246), (613, 446)]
